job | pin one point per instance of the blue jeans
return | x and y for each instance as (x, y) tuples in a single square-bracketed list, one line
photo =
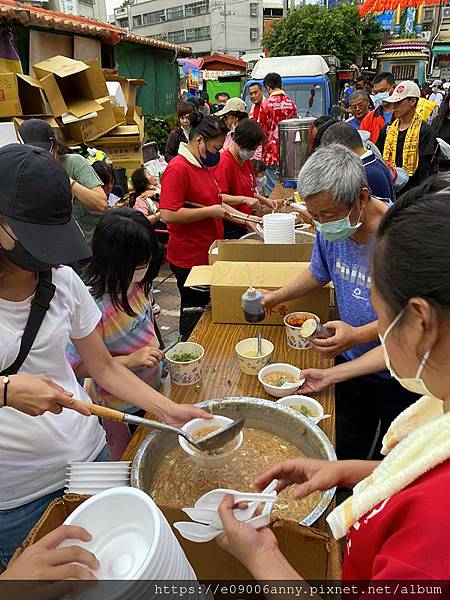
[(16, 523), (272, 178)]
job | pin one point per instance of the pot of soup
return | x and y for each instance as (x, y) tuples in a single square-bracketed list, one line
[(272, 433)]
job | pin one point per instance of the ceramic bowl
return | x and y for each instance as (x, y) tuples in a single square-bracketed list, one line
[(299, 403), (294, 337), (281, 392), (189, 372), (253, 364), (209, 461)]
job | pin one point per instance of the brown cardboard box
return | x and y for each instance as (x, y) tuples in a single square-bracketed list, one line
[(9, 95), (129, 86), (257, 251), (121, 152), (311, 552), (229, 280), (86, 130), (31, 96), (71, 86)]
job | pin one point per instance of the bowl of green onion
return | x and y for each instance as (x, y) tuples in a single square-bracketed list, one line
[(185, 363)]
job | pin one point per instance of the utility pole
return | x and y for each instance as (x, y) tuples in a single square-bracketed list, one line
[(225, 23), (285, 7)]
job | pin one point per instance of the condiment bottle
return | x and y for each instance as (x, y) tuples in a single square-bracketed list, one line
[(252, 306), (312, 329)]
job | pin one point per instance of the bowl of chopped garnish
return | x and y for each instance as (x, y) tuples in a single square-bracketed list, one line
[(184, 362)]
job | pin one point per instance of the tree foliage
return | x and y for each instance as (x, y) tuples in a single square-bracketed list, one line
[(313, 29)]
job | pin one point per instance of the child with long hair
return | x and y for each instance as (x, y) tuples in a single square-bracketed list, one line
[(119, 276)]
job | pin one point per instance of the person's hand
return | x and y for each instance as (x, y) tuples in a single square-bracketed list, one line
[(316, 380), (241, 540), (251, 226), (149, 193), (271, 203), (145, 357), (345, 337), (34, 395), (253, 202), (43, 560), (310, 475), (217, 211), (179, 414), (269, 299)]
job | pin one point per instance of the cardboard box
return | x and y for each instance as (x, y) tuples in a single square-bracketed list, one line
[(9, 95), (229, 280), (90, 129), (129, 86), (257, 251), (48, 119), (311, 552), (121, 152), (31, 96), (71, 86)]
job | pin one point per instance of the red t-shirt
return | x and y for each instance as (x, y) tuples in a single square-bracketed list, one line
[(405, 537), (184, 182), (235, 180), (277, 107)]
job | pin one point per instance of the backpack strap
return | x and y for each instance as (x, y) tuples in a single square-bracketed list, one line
[(40, 304)]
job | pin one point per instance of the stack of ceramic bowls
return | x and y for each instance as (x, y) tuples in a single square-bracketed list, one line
[(94, 477), (279, 228), (130, 538)]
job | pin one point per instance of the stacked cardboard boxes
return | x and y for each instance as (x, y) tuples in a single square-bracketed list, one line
[(85, 104)]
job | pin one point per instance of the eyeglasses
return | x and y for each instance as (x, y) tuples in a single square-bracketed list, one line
[(359, 106)]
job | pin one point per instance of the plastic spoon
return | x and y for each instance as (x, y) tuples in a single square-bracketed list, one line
[(214, 498)]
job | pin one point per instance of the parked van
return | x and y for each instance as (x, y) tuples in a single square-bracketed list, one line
[(306, 79)]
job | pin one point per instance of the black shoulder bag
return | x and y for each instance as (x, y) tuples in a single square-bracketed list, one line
[(40, 304)]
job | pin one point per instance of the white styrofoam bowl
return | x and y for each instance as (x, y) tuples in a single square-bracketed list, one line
[(208, 461), (280, 392), (296, 402)]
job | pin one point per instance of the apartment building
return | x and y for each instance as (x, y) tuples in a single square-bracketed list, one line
[(230, 26), (94, 9)]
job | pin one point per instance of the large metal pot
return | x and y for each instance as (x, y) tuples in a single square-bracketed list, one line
[(259, 414), (296, 139)]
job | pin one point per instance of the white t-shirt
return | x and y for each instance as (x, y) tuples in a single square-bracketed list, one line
[(34, 450)]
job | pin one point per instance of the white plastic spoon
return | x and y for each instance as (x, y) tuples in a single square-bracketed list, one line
[(213, 498)]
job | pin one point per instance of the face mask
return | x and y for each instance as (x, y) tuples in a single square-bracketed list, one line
[(139, 275), (22, 258), (246, 154), (211, 159), (335, 231), (378, 98), (416, 385), (261, 181)]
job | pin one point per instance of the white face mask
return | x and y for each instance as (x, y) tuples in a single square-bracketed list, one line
[(416, 384), (139, 275)]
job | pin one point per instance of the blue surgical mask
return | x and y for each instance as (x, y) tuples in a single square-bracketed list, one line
[(246, 154), (335, 231), (211, 159), (379, 98)]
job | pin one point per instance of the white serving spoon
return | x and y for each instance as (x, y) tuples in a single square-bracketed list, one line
[(213, 498)]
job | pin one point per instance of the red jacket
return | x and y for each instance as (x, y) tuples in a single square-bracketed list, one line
[(405, 537), (373, 123)]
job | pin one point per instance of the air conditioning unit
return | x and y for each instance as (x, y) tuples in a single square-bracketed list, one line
[(446, 13), (428, 14), (253, 34)]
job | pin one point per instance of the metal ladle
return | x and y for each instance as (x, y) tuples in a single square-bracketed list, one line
[(212, 441)]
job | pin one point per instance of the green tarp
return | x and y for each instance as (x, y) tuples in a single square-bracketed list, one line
[(444, 49), (158, 68)]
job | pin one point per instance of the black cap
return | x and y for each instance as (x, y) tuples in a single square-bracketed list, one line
[(36, 200), (36, 132)]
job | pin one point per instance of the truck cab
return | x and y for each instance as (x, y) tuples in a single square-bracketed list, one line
[(305, 79)]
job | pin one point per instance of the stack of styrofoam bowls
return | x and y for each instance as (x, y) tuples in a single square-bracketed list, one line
[(130, 538), (279, 228), (94, 477)]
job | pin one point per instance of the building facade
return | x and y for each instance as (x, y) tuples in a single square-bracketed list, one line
[(93, 9), (232, 27)]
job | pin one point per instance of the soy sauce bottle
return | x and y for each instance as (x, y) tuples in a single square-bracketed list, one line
[(252, 306)]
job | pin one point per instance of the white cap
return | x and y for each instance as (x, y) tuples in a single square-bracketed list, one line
[(405, 89), (446, 85)]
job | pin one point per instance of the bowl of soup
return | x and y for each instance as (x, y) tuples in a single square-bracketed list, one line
[(280, 379), (247, 353), (199, 429), (293, 324), (306, 406)]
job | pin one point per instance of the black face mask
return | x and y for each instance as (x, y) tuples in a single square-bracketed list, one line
[(211, 159), (22, 258)]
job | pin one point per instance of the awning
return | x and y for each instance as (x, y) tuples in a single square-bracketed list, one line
[(444, 49)]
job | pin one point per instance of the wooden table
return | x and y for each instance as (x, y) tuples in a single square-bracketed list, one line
[(222, 377)]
